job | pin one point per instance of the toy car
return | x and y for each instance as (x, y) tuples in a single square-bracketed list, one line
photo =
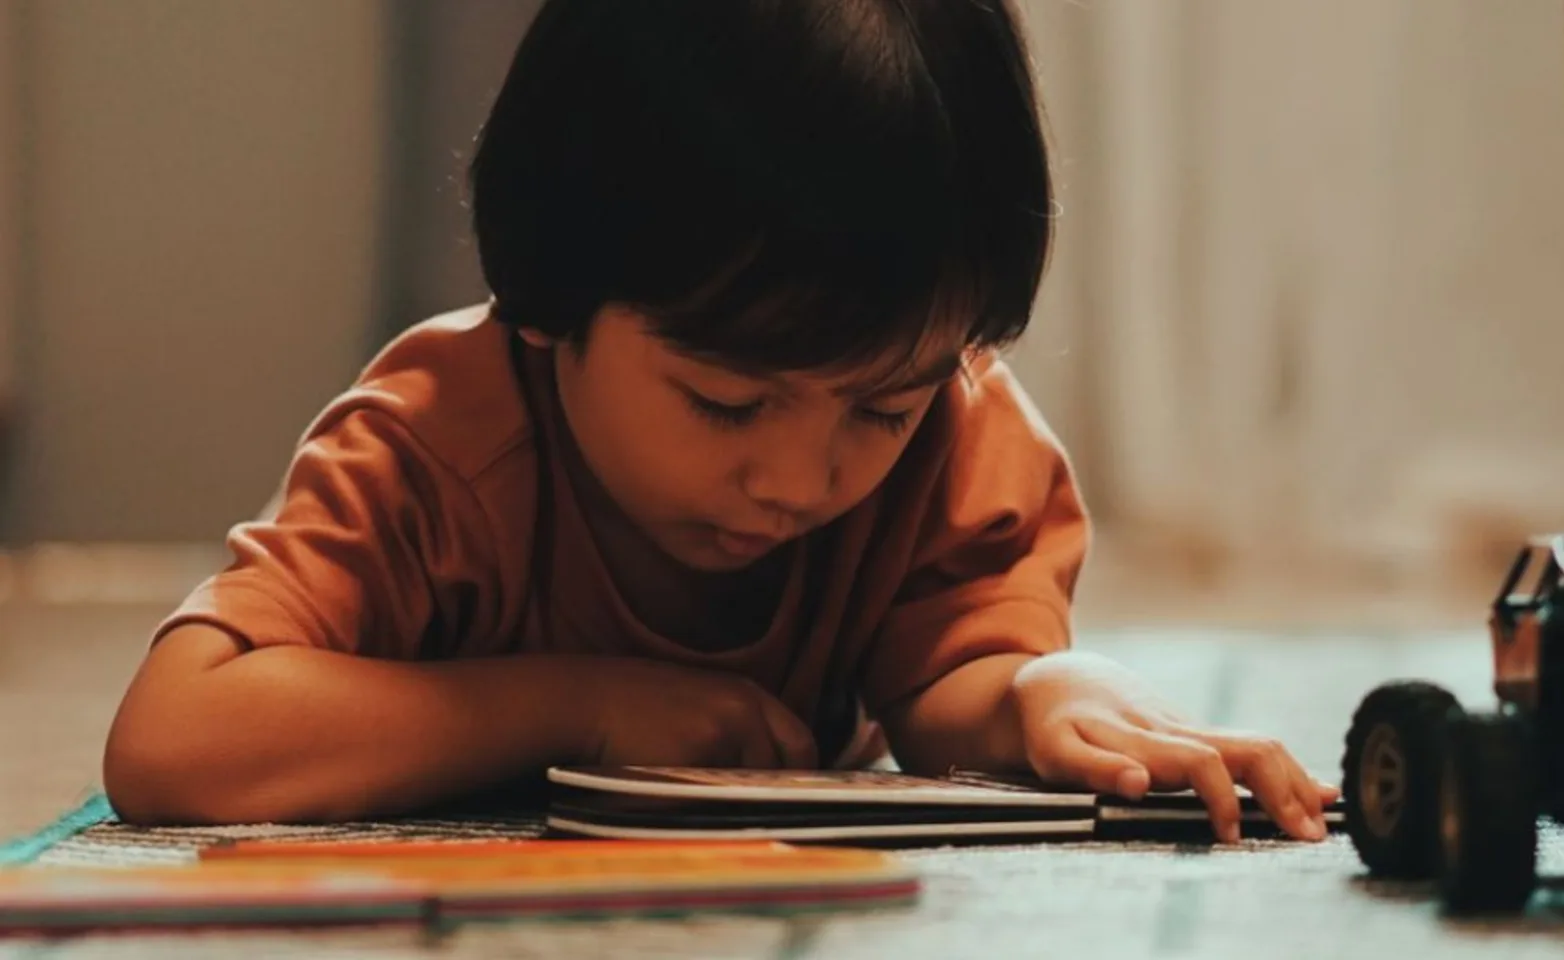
[(1436, 791)]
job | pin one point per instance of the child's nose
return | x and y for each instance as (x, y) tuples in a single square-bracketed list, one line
[(792, 481)]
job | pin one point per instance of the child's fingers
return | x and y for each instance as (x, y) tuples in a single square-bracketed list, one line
[(1315, 794), (1303, 784), (758, 751), (1278, 783), (1177, 762), (1308, 791), (1063, 755), (793, 743), (1294, 798)]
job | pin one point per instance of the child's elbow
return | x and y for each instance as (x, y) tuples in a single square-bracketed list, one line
[(170, 781), (151, 783), (159, 779), (173, 756)]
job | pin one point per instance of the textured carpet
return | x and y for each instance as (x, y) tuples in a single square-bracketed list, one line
[(92, 837), (1097, 900), (1101, 900)]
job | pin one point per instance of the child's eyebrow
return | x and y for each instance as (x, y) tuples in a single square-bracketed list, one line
[(937, 372)]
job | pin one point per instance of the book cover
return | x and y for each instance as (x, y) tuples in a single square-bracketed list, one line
[(869, 807), (340, 885)]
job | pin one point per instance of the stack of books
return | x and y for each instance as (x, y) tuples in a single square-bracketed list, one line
[(870, 807)]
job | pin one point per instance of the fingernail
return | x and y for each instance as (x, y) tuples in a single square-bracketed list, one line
[(1317, 828), (1230, 833), (1132, 783)]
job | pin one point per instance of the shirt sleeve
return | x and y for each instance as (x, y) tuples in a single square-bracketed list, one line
[(368, 540), (1001, 540)]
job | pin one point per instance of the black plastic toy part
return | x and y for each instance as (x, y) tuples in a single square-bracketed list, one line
[(1488, 814), (1433, 792), (1390, 778)]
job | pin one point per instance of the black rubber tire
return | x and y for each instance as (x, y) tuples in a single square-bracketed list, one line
[(1488, 815), (1549, 717), (1392, 804)]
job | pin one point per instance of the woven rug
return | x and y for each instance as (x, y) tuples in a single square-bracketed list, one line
[(90, 835), (1084, 898)]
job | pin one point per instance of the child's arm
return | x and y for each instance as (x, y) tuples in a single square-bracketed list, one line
[(1002, 538), (207, 734), (295, 733), (1077, 717), (973, 666), (346, 663), (967, 718)]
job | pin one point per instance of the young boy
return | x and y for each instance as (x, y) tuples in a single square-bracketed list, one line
[(726, 473)]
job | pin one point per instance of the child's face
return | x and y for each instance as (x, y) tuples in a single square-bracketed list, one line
[(718, 467)]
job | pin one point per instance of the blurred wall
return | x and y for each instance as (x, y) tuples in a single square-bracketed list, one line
[(449, 60), (11, 159), (1305, 300), (1308, 300), (203, 192)]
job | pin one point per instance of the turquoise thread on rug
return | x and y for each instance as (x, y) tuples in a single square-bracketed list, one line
[(24, 850)]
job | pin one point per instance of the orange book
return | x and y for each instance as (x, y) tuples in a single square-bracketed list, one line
[(338, 884), (380, 849)]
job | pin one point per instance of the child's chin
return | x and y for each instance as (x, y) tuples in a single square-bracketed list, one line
[(715, 561), (710, 557)]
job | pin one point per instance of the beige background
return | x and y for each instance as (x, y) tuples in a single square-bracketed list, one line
[(203, 193), (11, 158), (1285, 227)]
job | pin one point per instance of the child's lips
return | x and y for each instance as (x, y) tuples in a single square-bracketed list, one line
[(744, 544)]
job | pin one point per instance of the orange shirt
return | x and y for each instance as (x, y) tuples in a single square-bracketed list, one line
[(425, 516)]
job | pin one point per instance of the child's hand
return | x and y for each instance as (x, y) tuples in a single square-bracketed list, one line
[(659, 714), (1086, 719)]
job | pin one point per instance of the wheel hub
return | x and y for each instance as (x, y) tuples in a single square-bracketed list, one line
[(1382, 779)]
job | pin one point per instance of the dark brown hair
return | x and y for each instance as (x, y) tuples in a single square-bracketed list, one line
[(784, 184)]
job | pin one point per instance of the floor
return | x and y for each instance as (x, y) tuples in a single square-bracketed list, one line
[(63, 662), (61, 671)]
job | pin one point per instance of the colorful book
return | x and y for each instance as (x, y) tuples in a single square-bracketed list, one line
[(867, 807), (377, 884)]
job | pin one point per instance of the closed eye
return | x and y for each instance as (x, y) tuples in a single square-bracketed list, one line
[(893, 422), (735, 415), (723, 414)]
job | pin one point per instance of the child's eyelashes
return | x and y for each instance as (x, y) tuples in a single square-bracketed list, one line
[(724, 414), (893, 422), (734, 415)]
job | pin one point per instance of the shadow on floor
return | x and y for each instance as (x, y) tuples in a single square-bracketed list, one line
[(1544, 915)]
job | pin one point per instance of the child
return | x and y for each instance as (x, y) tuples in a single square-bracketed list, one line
[(725, 469)]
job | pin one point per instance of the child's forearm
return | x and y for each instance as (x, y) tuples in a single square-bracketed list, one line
[(298, 734), (967, 718)]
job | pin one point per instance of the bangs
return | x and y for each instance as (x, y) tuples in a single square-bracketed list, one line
[(775, 184), (774, 314), (850, 211)]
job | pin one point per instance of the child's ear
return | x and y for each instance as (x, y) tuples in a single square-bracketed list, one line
[(535, 338)]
